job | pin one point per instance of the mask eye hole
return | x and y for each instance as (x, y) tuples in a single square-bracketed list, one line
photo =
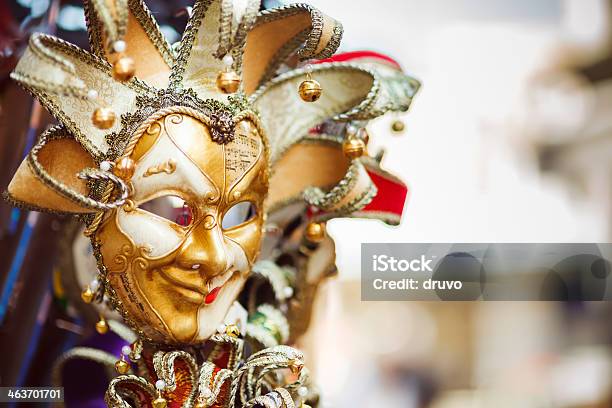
[(238, 214), (171, 208)]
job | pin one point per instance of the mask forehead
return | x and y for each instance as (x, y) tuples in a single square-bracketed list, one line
[(223, 165), (193, 139)]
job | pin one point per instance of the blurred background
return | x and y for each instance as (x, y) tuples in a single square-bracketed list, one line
[(509, 140)]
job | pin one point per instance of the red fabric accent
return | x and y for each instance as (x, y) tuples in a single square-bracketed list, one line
[(223, 398), (315, 130), (390, 198), (184, 385), (391, 195), (143, 398), (355, 55), (222, 359)]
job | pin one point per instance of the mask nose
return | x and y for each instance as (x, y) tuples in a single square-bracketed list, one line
[(204, 249)]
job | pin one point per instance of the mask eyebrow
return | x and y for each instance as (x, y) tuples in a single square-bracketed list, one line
[(168, 167)]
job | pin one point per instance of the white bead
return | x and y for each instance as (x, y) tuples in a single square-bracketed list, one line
[(288, 291), (160, 384), (221, 328), (195, 266), (106, 165), (94, 284), (361, 133), (351, 130), (119, 46), (302, 391), (228, 60), (308, 69), (207, 393), (92, 94)]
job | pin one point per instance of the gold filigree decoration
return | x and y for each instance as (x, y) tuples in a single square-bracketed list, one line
[(168, 167), (249, 381), (130, 255)]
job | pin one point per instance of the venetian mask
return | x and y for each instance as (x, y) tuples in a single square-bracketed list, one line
[(172, 147), (179, 254)]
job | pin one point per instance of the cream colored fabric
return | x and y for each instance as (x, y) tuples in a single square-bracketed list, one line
[(350, 92), (60, 77), (215, 25), (396, 89), (287, 118)]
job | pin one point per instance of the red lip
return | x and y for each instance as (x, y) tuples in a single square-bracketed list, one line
[(212, 295)]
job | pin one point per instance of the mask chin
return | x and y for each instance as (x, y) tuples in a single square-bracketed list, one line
[(211, 316)]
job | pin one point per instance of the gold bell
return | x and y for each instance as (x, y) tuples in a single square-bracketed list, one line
[(124, 69), (160, 402), (103, 118), (353, 148), (124, 168), (232, 330), (87, 295), (228, 81), (122, 366), (102, 326), (315, 231), (295, 366), (397, 126), (310, 90)]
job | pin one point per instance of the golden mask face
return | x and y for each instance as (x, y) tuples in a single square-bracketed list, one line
[(178, 259)]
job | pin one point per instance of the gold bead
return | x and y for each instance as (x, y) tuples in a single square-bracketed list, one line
[(232, 330), (310, 90), (87, 295), (124, 69), (228, 82), (103, 118), (160, 402), (200, 403), (295, 366), (353, 148), (397, 126), (125, 168), (315, 231), (102, 326), (122, 366)]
